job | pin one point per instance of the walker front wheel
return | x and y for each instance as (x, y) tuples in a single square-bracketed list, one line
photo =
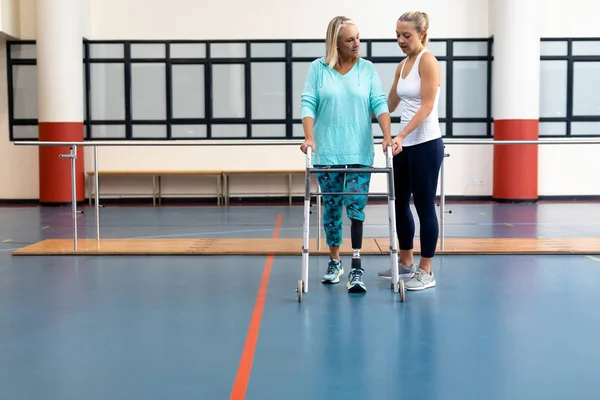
[(300, 290), (401, 290)]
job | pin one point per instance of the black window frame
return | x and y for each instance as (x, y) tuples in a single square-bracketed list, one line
[(288, 59)]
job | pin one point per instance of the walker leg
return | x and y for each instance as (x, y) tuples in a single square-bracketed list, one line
[(319, 218), (303, 282), (306, 235), (397, 284)]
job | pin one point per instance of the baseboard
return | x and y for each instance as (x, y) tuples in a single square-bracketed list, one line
[(19, 202)]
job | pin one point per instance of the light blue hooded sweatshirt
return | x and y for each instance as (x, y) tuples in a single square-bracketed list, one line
[(341, 107)]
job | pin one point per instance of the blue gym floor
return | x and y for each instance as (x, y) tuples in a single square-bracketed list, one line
[(129, 327)]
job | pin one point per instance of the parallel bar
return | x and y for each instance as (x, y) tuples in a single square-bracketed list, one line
[(97, 194), (290, 142), (349, 193), (345, 170)]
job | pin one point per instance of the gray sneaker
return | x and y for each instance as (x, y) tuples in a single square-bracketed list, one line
[(421, 280), (404, 271)]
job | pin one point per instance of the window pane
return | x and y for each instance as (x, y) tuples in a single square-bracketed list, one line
[(553, 48), (386, 73), (268, 131), (267, 50), (228, 91), (149, 131), (107, 97), (586, 48), (108, 132), (298, 131), (149, 50), (470, 49), (23, 51), (391, 49), (552, 128), (553, 88), (591, 128), (106, 50), (25, 91), (188, 50), (188, 91), (188, 131), (268, 90), (317, 49), (299, 74), (469, 129), (378, 133), (148, 91), (308, 49), (586, 81), (438, 49), (227, 50), (363, 49), (25, 132), (229, 131), (469, 92), (84, 94), (385, 49), (442, 101)]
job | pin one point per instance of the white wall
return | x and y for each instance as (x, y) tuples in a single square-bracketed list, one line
[(469, 169), (193, 19), (9, 11)]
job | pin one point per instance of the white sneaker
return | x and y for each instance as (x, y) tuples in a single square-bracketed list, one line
[(404, 271), (420, 281)]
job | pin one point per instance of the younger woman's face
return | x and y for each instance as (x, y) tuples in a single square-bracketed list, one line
[(408, 37)]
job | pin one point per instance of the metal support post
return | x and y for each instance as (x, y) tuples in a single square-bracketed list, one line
[(96, 194), (73, 156)]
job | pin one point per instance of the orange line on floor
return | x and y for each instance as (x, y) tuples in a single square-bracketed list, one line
[(243, 374)]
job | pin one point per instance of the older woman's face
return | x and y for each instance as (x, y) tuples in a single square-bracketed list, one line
[(349, 41)]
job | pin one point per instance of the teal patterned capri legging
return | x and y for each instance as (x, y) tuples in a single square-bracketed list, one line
[(334, 204)]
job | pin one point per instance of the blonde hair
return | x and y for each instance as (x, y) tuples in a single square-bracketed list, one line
[(420, 21), (333, 32)]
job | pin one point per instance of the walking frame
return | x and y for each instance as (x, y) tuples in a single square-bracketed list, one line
[(397, 285)]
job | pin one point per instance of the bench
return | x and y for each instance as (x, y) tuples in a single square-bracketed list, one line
[(156, 182), (223, 183)]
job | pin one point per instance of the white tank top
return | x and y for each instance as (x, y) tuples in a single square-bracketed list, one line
[(409, 91)]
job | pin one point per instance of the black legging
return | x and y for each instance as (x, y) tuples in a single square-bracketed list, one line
[(416, 171)]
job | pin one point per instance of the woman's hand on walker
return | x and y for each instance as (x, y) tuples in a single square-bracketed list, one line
[(397, 145), (307, 143), (386, 143)]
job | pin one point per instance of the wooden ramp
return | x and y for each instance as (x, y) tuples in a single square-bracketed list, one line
[(293, 246)]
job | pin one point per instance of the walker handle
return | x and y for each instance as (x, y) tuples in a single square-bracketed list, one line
[(309, 157), (389, 155)]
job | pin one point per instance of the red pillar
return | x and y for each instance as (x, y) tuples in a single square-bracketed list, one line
[(59, 47), (516, 98)]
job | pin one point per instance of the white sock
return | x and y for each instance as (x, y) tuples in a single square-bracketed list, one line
[(356, 253)]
